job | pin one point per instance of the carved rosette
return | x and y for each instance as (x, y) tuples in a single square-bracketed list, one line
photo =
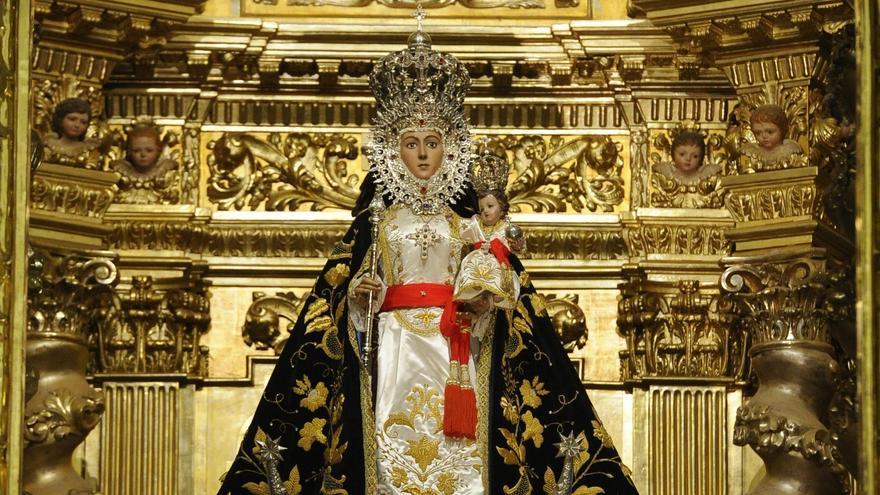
[(791, 310), (150, 330), (64, 290), (677, 329)]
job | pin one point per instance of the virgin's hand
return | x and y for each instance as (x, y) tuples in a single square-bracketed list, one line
[(367, 286)]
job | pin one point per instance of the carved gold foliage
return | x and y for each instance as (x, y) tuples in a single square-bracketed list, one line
[(567, 244), (677, 329), (431, 4), (671, 238), (306, 242), (73, 197), (145, 330), (771, 434), (799, 300), (63, 290), (262, 326), (555, 174), (311, 242), (283, 172), (766, 203)]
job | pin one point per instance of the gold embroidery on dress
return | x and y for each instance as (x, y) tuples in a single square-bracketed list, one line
[(420, 467), (425, 322)]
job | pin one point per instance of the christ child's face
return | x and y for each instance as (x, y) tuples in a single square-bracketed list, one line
[(422, 153), (74, 125), (143, 151), (687, 158), (490, 210), (768, 135)]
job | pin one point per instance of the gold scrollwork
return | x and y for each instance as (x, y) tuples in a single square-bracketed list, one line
[(283, 172), (766, 203), (430, 4), (63, 415), (62, 291), (554, 174), (798, 300), (671, 238), (150, 331), (677, 329), (65, 196)]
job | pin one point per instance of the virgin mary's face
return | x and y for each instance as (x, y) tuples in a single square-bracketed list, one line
[(422, 152)]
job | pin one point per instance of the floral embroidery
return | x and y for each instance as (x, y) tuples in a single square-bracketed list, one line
[(532, 391), (600, 433), (412, 447), (315, 397), (311, 432), (534, 430), (336, 275)]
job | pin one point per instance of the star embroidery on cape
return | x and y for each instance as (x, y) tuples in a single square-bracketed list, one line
[(570, 446)]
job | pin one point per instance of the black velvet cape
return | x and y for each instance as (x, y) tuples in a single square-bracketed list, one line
[(308, 430)]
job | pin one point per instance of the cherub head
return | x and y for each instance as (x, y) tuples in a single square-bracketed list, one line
[(688, 150), (493, 206), (71, 118), (143, 147), (770, 126)]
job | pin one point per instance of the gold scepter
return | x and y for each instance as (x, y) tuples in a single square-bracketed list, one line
[(377, 206)]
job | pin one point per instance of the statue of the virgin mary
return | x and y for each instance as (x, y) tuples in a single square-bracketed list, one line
[(463, 400)]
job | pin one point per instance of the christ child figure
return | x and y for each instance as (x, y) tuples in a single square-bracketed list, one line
[(147, 178), (486, 275), (687, 179), (771, 149), (67, 143)]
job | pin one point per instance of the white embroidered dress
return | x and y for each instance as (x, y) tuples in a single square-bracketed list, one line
[(413, 454)]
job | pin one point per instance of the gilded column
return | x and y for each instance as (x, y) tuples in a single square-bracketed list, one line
[(683, 360), (148, 360), (14, 149)]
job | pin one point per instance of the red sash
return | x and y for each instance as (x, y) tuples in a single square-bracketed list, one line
[(460, 403)]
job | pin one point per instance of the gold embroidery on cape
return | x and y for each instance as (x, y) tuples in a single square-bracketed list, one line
[(420, 468)]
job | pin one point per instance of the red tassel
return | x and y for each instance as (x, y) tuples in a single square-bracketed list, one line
[(451, 400), (467, 426)]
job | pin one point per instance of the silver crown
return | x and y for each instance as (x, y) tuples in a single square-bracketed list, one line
[(418, 88), (489, 171)]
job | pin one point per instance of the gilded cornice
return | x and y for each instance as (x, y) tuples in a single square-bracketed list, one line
[(85, 38), (269, 54), (729, 28), (313, 235)]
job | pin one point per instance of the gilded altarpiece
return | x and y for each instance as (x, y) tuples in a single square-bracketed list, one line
[(261, 109)]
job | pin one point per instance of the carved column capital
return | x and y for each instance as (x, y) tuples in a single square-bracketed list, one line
[(677, 329)]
